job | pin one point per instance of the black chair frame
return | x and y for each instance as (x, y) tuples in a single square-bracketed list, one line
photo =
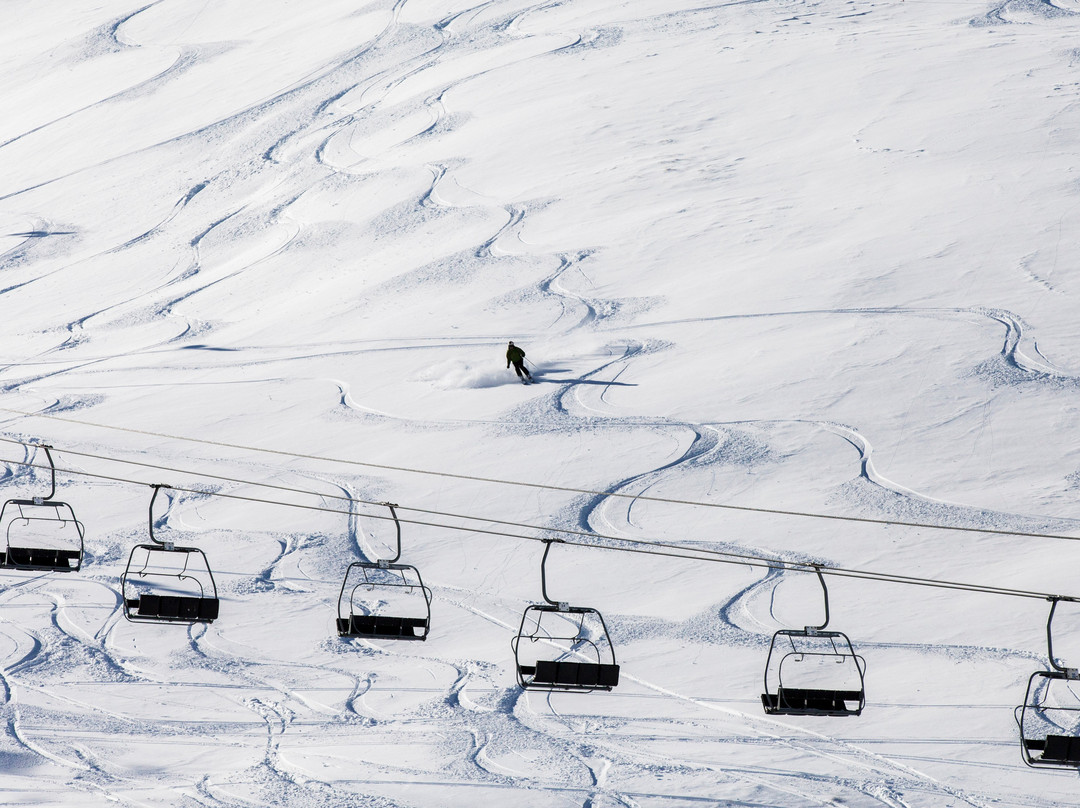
[(816, 643), (1040, 745), (382, 575), (597, 669), (151, 607), (25, 556)]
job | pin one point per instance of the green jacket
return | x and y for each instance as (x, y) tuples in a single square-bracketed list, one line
[(514, 354)]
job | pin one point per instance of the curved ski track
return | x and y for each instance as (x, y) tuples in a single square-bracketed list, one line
[(584, 755)]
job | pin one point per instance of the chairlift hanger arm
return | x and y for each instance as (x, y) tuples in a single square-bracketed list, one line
[(157, 487), (1071, 672), (543, 573), (825, 592), (397, 525), (52, 471)]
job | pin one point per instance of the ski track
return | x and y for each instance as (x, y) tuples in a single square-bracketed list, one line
[(426, 60), (185, 60), (513, 720), (85, 774), (699, 449), (1013, 351), (841, 750), (703, 443)]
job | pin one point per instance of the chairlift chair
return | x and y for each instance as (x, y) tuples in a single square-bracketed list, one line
[(1049, 718), (813, 671), (560, 647), (383, 599), (164, 583), (41, 533)]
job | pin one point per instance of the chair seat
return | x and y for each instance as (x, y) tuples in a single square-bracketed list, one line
[(378, 626), (809, 701), (175, 608), (572, 675), (42, 558), (1059, 749)]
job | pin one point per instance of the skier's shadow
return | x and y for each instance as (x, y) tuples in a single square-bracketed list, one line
[(544, 378)]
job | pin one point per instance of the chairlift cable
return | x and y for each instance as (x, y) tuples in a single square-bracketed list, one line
[(203, 474), (339, 497), (564, 489), (429, 512), (638, 546), (733, 557)]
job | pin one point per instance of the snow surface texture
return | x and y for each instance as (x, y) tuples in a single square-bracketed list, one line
[(808, 255)]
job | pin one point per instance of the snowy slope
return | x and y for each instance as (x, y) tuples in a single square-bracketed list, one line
[(815, 256)]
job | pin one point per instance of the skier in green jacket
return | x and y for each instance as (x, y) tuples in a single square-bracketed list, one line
[(517, 356)]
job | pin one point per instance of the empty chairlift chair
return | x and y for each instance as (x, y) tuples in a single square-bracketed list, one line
[(563, 647), (384, 600), (1049, 718), (164, 583), (814, 672), (41, 533)]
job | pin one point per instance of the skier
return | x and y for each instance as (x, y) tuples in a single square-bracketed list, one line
[(517, 356)]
